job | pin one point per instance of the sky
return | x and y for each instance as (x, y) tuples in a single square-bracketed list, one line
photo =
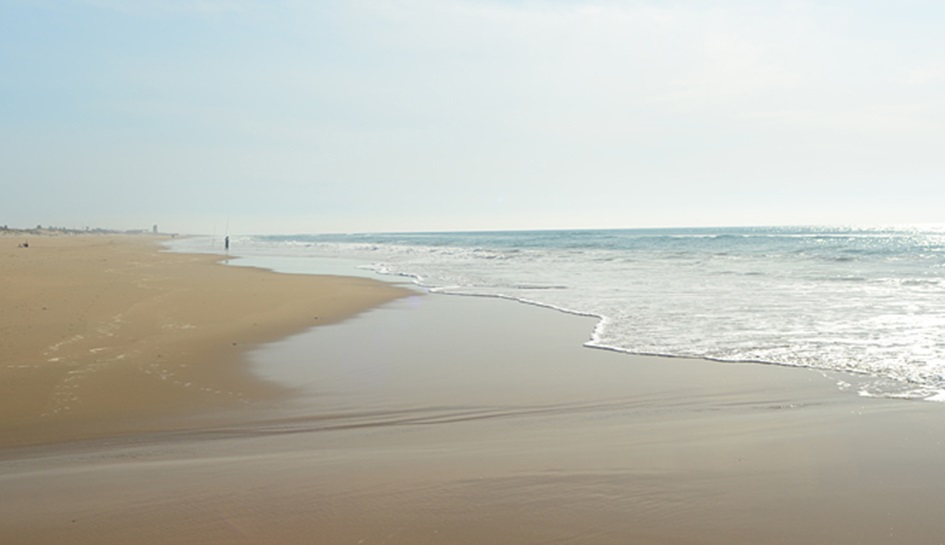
[(294, 116)]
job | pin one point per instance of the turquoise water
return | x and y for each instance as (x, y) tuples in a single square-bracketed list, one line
[(869, 301)]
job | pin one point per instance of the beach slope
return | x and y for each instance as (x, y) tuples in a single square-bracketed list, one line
[(430, 419)]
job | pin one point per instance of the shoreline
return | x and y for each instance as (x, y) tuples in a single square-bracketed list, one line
[(471, 420), (847, 376), (109, 334)]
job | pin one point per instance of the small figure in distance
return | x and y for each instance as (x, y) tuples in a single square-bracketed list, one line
[(226, 243), (24, 244)]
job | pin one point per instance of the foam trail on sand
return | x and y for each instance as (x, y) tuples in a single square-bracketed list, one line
[(866, 301)]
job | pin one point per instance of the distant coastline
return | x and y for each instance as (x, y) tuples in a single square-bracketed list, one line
[(41, 230)]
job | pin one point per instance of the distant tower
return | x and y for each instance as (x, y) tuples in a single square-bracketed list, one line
[(154, 229)]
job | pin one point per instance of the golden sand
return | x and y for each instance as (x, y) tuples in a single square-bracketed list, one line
[(106, 334)]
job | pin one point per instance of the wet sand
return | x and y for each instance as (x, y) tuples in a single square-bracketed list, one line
[(436, 419)]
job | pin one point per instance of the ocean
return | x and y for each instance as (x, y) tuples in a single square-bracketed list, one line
[(868, 302)]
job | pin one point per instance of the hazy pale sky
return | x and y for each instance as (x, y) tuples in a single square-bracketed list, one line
[(389, 115)]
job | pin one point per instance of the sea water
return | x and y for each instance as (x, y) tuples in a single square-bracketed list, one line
[(867, 301)]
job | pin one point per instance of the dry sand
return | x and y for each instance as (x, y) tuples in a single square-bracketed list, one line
[(104, 334), (436, 419)]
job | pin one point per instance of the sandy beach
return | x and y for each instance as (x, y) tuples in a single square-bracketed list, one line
[(411, 419), (105, 334)]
